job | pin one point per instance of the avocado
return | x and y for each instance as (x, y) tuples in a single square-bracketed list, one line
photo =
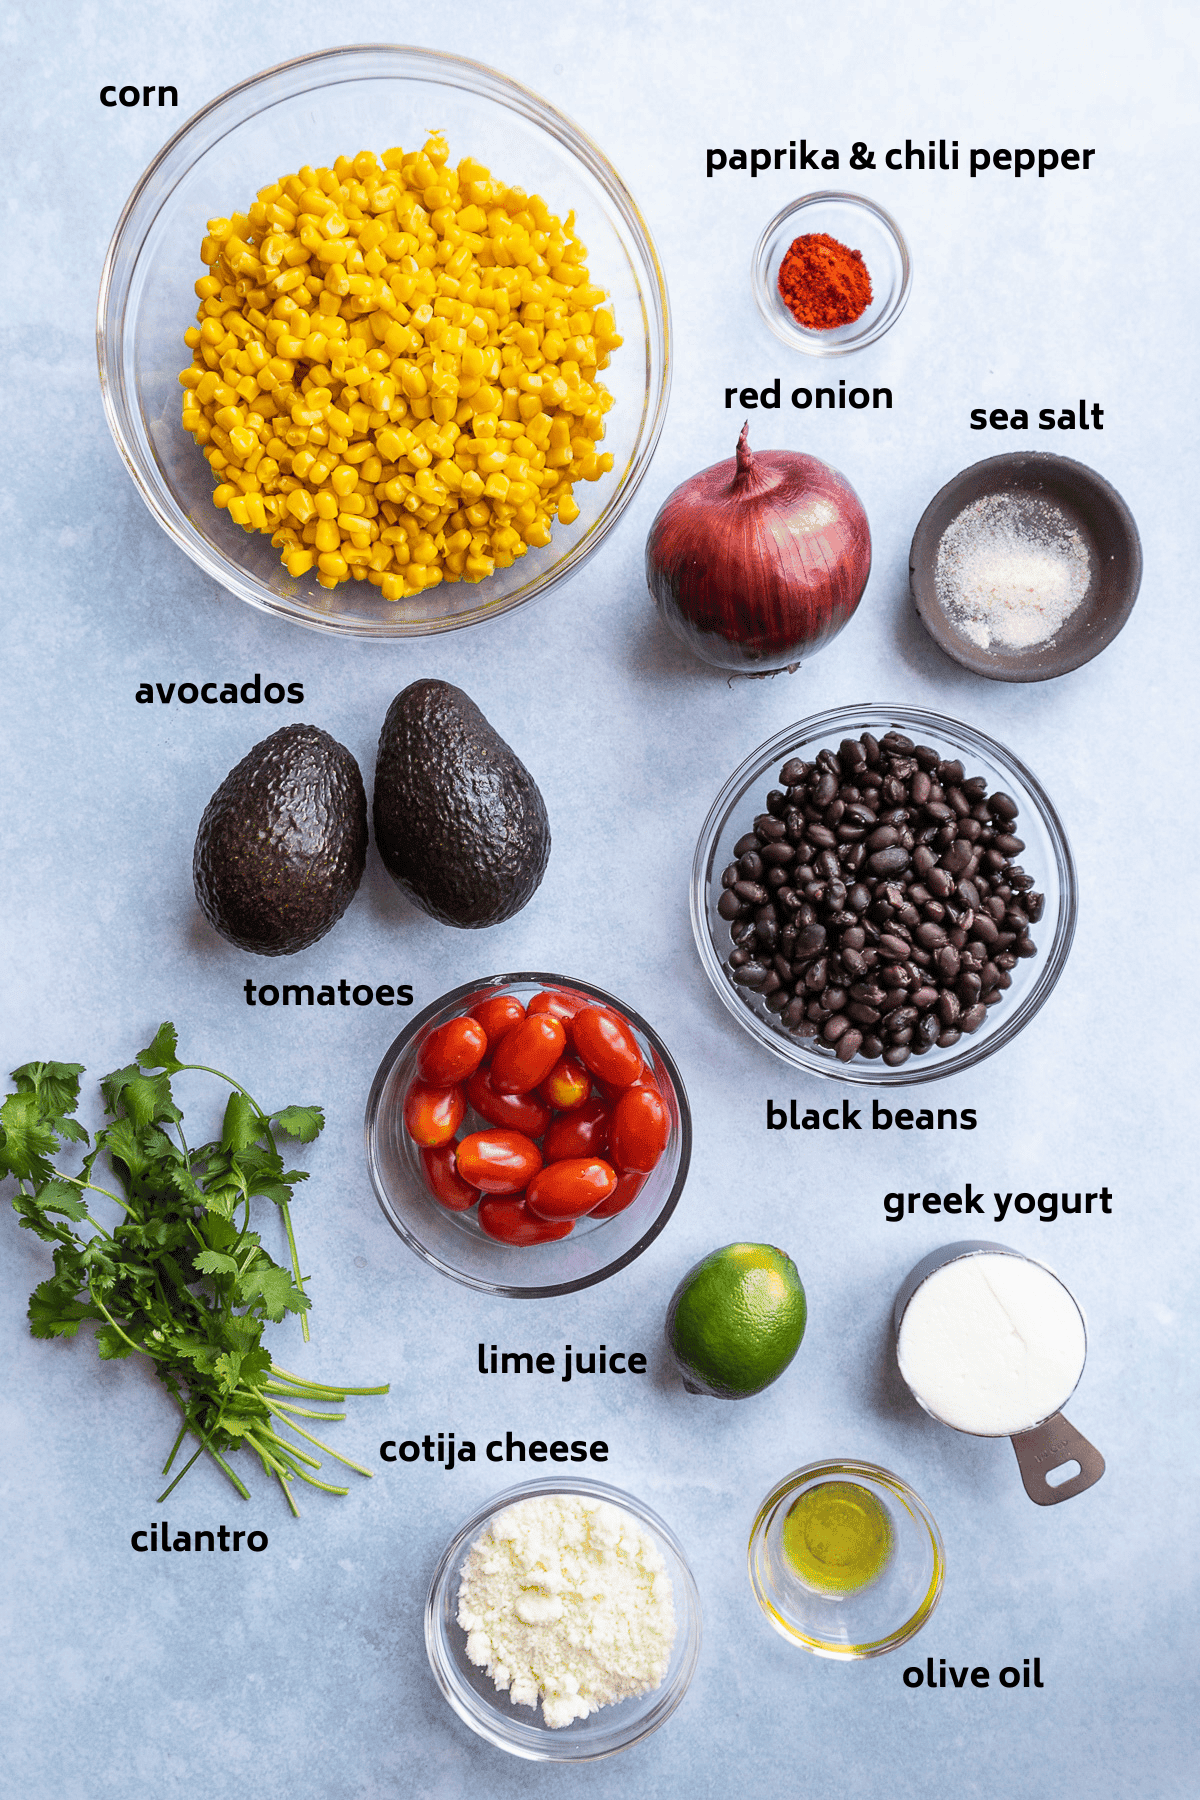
[(283, 843), (459, 821)]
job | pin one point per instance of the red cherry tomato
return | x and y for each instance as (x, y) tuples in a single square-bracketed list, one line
[(567, 1085), (498, 1015), (498, 1162), (443, 1180), (560, 1003), (527, 1113), (612, 1094), (527, 1053), (511, 1222), (567, 1190), (628, 1187), (452, 1052), (581, 1132), (607, 1046), (432, 1115), (640, 1128)]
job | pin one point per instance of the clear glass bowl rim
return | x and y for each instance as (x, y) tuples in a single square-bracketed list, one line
[(790, 331), (832, 1470), (935, 1065), (475, 1717), (397, 1048), (159, 179)]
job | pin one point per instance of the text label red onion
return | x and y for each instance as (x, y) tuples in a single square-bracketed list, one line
[(759, 561)]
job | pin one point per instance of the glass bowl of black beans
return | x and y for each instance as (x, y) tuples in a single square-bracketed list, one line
[(883, 895)]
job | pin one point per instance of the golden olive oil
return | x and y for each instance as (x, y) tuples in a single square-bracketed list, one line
[(837, 1537)]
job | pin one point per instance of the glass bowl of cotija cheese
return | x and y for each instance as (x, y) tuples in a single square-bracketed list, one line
[(563, 1621)]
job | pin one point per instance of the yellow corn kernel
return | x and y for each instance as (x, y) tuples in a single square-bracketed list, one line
[(333, 564), (327, 536), (568, 511), (300, 505)]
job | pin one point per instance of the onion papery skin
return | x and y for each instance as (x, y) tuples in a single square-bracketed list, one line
[(757, 562)]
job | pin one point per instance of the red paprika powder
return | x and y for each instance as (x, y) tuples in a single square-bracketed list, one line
[(823, 284)]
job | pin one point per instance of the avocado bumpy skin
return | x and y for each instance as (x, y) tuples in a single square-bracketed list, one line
[(459, 821), (283, 843)]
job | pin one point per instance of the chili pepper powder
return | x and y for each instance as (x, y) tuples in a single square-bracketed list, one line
[(823, 284)]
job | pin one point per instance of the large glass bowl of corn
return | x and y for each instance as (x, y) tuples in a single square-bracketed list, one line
[(383, 341)]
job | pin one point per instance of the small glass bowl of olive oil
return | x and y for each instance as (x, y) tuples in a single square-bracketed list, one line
[(845, 1559)]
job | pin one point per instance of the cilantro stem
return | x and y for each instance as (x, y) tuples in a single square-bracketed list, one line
[(175, 1446), (301, 1412), (319, 1387), (296, 1275), (357, 1467), (273, 1437), (287, 1494), (200, 1449)]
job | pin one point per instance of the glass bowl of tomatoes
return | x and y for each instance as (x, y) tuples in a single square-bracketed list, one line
[(528, 1135)]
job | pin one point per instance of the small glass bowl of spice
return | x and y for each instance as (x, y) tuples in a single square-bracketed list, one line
[(831, 273), (846, 1560)]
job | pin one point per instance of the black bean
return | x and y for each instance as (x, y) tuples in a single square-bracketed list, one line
[(729, 906), (752, 892), (793, 771), (947, 962), (766, 931), (793, 1012), (889, 861), (750, 975), (1035, 905), (778, 854), (895, 1054), (1002, 806), (816, 975), (742, 931), (849, 1045), (863, 1015), (779, 1001), (1025, 947), (745, 844)]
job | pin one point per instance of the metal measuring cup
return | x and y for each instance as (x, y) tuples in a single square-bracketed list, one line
[(1041, 1448)]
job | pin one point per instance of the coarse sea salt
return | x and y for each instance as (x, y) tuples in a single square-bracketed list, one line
[(1011, 569)]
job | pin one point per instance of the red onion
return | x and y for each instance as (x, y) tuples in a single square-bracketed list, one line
[(754, 562)]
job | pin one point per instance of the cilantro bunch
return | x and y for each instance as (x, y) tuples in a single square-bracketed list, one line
[(179, 1276)]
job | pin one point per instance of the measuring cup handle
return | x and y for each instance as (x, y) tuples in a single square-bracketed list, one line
[(1040, 1451)]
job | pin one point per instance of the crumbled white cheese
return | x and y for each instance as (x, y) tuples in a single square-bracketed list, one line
[(992, 1344), (566, 1598)]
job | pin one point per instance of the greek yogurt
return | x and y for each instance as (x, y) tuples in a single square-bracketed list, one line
[(991, 1344)]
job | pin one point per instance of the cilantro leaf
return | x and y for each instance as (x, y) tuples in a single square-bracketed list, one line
[(27, 1141), (301, 1122), (275, 1288), (243, 1123), (215, 1262), (161, 1054)]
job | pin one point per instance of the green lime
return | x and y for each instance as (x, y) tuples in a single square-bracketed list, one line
[(736, 1320), (838, 1537)]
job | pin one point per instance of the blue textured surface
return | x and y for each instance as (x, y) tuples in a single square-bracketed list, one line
[(302, 1670)]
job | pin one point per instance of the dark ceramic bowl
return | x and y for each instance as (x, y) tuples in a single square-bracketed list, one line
[(1088, 505)]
